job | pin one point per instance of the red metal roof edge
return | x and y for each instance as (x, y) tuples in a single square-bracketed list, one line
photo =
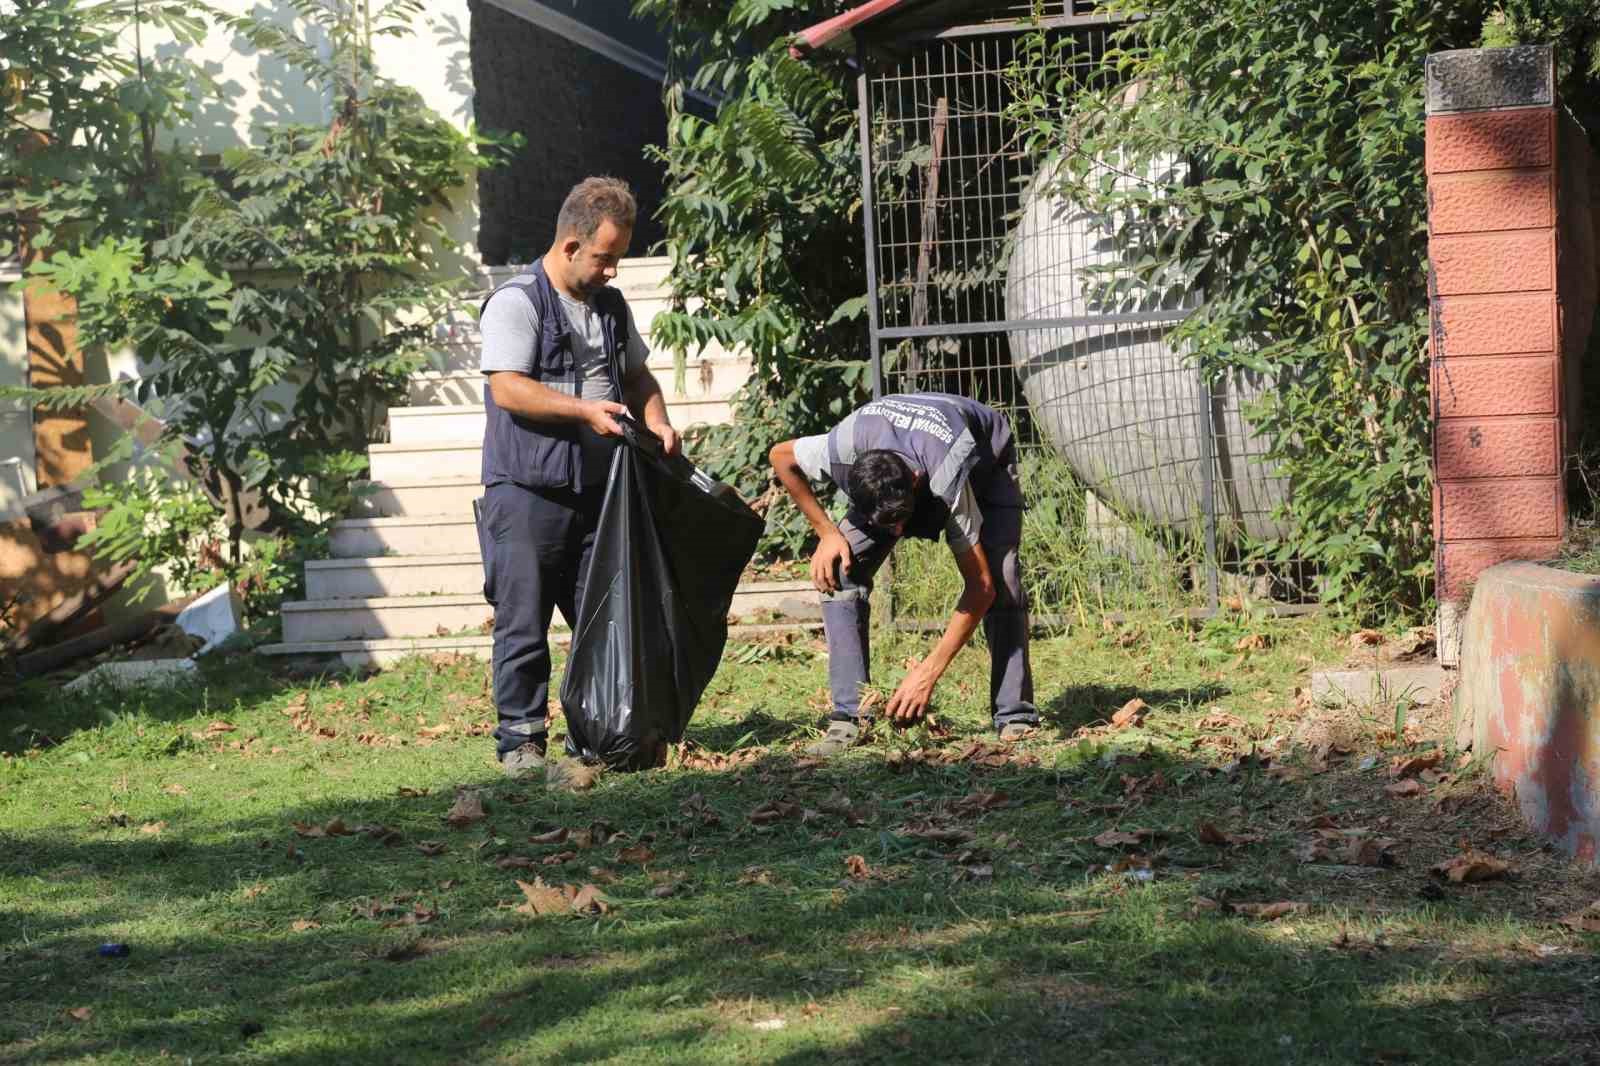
[(837, 29)]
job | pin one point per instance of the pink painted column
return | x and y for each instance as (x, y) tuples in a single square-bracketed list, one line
[(1497, 375)]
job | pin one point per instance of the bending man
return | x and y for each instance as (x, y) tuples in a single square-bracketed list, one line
[(917, 465)]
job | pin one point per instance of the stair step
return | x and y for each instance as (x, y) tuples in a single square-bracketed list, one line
[(420, 616), (387, 616), (404, 535), (389, 650), (442, 459), (416, 497), (727, 371), (400, 575)]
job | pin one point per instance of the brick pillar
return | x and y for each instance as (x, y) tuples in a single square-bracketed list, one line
[(1497, 380)]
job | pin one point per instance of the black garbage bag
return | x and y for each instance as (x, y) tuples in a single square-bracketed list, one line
[(653, 614)]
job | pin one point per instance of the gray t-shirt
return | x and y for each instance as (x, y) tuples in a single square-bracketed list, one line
[(510, 329), (960, 532)]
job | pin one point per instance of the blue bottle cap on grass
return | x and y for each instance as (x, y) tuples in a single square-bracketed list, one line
[(113, 951)]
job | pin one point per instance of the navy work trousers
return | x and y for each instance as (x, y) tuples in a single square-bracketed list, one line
[(846, 615), (536, 548)]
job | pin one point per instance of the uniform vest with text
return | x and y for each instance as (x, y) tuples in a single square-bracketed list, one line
[(954, 440)]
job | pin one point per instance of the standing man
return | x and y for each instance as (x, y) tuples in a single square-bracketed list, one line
[(917, 465), (562, 358)]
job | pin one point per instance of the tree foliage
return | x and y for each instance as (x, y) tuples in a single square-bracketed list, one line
[(1306, 224), (276, 301), (763, 225)]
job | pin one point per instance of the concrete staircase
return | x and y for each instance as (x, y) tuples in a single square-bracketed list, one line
[(405, 576)]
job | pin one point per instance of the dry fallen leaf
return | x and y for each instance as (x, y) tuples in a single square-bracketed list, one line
[(639, 853), (301, 925), (1267, 912), (558, 858), (774, 811), (1130, 714), (81, 1014), (152, 828), (432, 847), (1365, 638), (1210, 834), (175, 790), (255, 890), (516, 862), (434, 730), (542, 898), (1470, 867), (589, 900), (468, 808), (1406, 765), (1251, 642), (857, 867), (1586, 920), (1116, 838), (554, 836), (1408, 787), (572, 775)]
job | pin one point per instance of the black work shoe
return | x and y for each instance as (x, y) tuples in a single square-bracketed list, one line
[(524, 760), (840, 735), (1015, 731)]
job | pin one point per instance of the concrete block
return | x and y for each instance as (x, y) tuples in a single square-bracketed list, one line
[(1517, 324), (1507, 447), (1490, 140), (1477, 201), (1530, 680), (1419, 684), (1460, 562), (1520, 261), (1465, 388), (1525, 508), (1472, 79), (135, 673)]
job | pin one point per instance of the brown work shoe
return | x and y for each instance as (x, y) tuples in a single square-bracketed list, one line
[(524, 760)]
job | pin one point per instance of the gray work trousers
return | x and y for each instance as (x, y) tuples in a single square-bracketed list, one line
[(846, 616)]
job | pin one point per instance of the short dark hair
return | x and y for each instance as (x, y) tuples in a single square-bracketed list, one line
[(591, 201), (882, 488)]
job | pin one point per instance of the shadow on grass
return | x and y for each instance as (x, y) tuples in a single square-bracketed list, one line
[(1049, 958)]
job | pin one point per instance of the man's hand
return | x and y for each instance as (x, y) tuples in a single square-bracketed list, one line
[(834, 551), (597, 414), (671, 443), (910, 701)]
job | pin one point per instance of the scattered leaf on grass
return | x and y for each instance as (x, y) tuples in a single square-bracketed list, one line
[(1364, 638), (1210, 834), (1116, 838), (602, 875), (1470, 867), (940, 834), (407, 792), (1407, 765), (978, 872), (573, 775), (152, 828), (1252, 642), (81, 1014), (668, 889), (857, 867), (980, 801), (434, 730), (1130, 714), (774, 811), (639, 853), (432, 847), (1408, 787), (1586, 920), (301, 925), (767, 1025), (175, 790), (755, 875), (516, 862), (554, 836), (542, 899), (1267, 912), (255, 890), (558, 858), (467, 809)]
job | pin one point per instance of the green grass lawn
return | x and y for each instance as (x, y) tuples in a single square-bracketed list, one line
[(924, 899)]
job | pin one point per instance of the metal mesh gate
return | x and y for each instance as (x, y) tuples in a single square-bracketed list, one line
[(1146, 486)]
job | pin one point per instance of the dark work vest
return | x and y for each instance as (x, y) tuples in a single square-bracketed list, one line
[(547, 455), (956, 441)]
